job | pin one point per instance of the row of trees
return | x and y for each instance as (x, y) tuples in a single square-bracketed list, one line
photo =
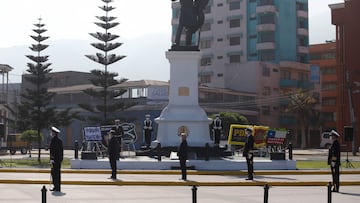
[(35, 113)]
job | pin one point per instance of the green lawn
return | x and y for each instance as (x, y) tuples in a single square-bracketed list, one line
[(31, 162), (321, 164)]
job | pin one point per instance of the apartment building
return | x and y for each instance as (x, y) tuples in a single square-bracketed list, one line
[(345, 17), (324, 57), (256, 46)]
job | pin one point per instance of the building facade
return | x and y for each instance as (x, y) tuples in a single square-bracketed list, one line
[(324, 57), (256, 46), (345, 17)]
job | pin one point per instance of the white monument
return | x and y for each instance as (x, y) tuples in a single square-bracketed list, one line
[(183, 113)]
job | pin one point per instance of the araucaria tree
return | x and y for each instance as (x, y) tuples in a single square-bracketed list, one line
[(104, 80), (36, 98), (34, 111)]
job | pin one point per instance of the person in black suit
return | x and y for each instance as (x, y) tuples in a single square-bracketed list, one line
[(56, 157), (113, 153), (217, 128), (147, 130), (248, 153), (334, 160), (183, 155), (118, 133)]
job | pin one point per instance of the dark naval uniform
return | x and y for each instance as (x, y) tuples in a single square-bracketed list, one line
[(248, 154), (147, 131), (56, 157), (114, 149), (217, 130), (334, 161), (183, 156)]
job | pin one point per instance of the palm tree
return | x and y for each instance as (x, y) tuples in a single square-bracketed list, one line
[(302, 105)]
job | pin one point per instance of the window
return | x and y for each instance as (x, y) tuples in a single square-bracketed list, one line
[(252, 36), (205, 44), (265, 110), (220, 39), (206, 27), (267, 37), (302, 41), (303, 76), (301, 23), (328, 86), (234, 5), (267, 19), (267, 55), (328, 70), (266, 2), (234, 23), (220, 4), (329, 101), (220, 22), (234, 40), (205, 79), (206, 61), (220, 57), (300, 6), (285, 75), (302, 58), (220, 75), (329, 116), (266, 71), (266, 91), (234, 58)]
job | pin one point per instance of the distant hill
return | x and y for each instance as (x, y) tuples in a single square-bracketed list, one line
[(145, 57)]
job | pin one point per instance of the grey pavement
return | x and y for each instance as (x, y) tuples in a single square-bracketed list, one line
[(76, 193)]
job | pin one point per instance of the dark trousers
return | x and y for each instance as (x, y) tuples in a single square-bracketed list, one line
[(250, 165), (336, 177), (56, 176), (217, 135), (113, 167), (183, 168), (147, 137)]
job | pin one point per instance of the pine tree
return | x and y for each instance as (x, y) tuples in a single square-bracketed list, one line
[(104, 80), (34, 111)]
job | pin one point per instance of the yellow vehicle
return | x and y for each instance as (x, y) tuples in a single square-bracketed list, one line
[(14, 143)]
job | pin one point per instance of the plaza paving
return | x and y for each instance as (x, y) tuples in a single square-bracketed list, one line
[(24, 185)]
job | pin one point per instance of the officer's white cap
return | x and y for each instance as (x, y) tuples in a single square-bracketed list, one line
[(249, 129), (333, 132), (55, 129), (147, 115)]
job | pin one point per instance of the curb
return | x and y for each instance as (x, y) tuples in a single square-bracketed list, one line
[(183, 183), (176, 172)]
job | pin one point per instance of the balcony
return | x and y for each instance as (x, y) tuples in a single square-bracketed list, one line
[(287, 120), (303, 50), (265, 27), (284, 102), (265, 46), (302, 14), (288, 83), (302, 31), (266, 9), (305, 85)]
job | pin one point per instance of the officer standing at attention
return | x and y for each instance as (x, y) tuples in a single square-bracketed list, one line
[(183, 155), (248, 153), (113, 153), (118, 133), (56, 157), (217, 129), (147, 130), (334, 160)]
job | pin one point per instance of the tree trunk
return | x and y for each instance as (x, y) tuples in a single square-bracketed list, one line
[(303, 137)]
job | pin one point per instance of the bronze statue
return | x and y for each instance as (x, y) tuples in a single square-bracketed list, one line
[(191, 18)]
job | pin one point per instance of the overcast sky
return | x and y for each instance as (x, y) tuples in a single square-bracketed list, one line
[(73, 19)]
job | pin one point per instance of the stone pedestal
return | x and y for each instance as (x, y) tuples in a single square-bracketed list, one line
[(183, 113)]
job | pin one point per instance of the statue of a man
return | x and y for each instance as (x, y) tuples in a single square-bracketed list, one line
[(191, 18)]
